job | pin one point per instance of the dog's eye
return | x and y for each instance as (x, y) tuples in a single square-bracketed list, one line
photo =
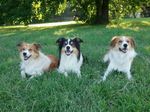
[(71, 43), (30, 49), (127, 41), (120, 41), (65, 43), (23, 49)]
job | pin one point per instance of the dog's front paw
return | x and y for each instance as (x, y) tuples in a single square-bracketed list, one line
[(23, 75), (103, 78), (39, 73), (130, 78), (66, 74), (105, 59), (79, 75)]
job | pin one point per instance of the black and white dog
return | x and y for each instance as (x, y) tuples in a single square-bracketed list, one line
[(70, 56)]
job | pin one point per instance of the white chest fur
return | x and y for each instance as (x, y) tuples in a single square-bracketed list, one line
[(119, 61), (70, 64), (36, 66)]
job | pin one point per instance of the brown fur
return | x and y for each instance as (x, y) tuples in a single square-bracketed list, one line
[(114, 41), (54, 63), (132, 42), (75, 51), (33, 48)]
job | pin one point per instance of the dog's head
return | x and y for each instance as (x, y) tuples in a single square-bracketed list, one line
[(69, 46), (28, 51), (122, 43)]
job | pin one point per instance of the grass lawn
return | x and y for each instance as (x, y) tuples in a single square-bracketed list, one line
[(56, 93)]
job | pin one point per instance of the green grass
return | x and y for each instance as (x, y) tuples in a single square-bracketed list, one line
[(55, 93)]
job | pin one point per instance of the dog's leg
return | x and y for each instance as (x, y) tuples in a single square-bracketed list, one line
[(129, 75), (32, 77), (78, 73), (23, 74), (109, 69), (106, 58), (35, 74), (22, 68), (66, 74), (127, 71), (62, 72)]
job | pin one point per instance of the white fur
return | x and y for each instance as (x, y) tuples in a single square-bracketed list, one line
[(35, 66), (70, 64), (119, 61)]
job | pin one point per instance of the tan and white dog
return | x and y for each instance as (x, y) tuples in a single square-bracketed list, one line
[(120, 55), (33, 61)]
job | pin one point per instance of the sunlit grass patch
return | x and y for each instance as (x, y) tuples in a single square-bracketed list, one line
[(54, 24), (131, 24)]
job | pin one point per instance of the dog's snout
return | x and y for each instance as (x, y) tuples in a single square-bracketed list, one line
[(125, 45), (24, 54), (68, 48)]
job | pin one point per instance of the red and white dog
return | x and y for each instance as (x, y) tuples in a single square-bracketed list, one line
[(33, 61), (120, 55)]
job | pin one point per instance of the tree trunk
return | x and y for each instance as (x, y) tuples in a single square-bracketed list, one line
[(102, 12)]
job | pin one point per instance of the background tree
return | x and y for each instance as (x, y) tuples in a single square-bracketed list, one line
[(89, 11), (43, 10), (127, 8), (15, 11)]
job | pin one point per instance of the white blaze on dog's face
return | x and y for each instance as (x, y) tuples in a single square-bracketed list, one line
[(28, 51), (68, 47), (122, 43)]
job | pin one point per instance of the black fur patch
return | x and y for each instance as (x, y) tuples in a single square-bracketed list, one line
[(60, 43), (77, 42)]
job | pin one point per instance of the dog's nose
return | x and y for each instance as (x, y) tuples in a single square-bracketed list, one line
[(125, 45), (24, 54), (68, 48)]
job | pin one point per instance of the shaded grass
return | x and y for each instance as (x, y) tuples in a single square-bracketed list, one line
[(54, 92)]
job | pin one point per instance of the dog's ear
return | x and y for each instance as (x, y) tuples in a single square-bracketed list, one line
[(37, 46), (20, 44), (132, 42), (114, 40), (78, 40), (60, 40)]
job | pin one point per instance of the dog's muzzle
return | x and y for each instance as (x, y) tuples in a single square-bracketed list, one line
[(68, 52), (124, 50), (26, 57)]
